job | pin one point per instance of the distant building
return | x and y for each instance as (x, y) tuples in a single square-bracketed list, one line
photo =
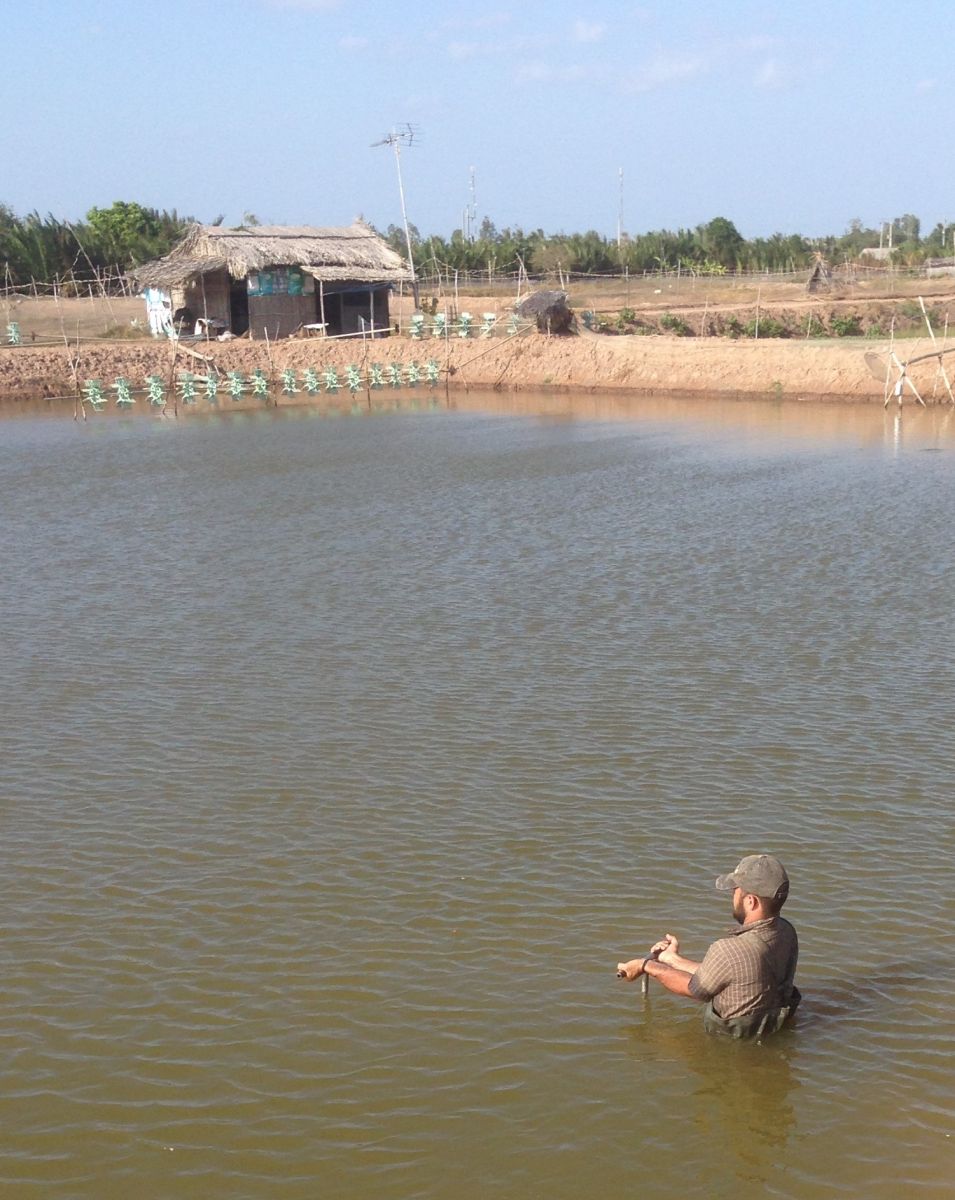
[(275, 279), (940, 266)]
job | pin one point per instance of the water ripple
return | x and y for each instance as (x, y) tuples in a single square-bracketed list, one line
[(342, 760)]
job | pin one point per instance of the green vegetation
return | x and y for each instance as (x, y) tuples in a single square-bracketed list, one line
[(766, 327), (675, 325), (44, 248), (127, 233), (715, 248), (810, 326), (847, 325)]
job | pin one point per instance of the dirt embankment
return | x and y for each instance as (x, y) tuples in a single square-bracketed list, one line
[(791, 368), (779, 369)]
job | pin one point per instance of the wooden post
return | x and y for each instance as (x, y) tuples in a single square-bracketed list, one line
[(174, 342), (268, 351), (941, 369)]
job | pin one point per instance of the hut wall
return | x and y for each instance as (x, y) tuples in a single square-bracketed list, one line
[(280, 315), (208, 297)]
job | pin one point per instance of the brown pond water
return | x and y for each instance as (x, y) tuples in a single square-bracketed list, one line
[(342, 757)]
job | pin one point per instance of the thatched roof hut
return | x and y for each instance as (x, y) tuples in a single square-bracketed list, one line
[(278, 278)]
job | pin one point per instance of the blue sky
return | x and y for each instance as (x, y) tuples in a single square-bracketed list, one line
[(783, 117)]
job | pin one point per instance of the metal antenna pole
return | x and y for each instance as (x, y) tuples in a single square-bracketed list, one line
[(396, 140), (620, 216)]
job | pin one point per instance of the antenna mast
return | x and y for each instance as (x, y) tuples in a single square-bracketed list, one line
[(620, 216), (396, 139)]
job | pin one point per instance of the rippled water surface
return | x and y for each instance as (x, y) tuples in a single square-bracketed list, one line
[(343, 757)]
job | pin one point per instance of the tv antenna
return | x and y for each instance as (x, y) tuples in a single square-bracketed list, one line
[(620, 217), (404, 135), (471, 210)]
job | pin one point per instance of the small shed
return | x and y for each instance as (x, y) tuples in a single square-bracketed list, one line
[(550, 311), (820, 277), (274, 279)]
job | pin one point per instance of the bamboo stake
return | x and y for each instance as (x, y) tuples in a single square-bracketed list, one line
[(172, 378), (74, 365), (941, 368), (903, 379), (268, 351)]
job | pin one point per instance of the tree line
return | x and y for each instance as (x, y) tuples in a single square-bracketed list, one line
[(716, 247), (126, 234), (109, 239)]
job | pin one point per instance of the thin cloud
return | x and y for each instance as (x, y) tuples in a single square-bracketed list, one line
[(758, 42), (351, 42), (588, 31), (491, 21), (926, 85), (665, 70), (462, 50), (306, 5), (541, 72), (771, 75)]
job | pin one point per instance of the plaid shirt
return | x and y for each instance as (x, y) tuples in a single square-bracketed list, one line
[(751, 971)]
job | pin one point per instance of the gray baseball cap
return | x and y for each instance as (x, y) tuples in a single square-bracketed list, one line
[(758, 875)]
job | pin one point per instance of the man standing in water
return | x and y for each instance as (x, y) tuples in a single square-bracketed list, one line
[(746, 978)]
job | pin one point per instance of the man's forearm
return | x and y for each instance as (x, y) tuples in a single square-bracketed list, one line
[(674, 979), (681, 963)]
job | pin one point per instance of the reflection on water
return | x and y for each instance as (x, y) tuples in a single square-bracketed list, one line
[(928, 428), (343, 757)]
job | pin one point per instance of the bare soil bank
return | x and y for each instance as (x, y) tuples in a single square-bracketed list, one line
[(651, 361), (775, 368)]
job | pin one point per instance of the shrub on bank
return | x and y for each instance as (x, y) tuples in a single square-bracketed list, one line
[(675, 325), (846, 325), (766, 327)]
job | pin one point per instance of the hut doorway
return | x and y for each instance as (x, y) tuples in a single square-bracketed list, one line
[(328, 306), (238, 307)]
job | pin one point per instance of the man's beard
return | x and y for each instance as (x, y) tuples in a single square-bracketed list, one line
[(739, 913)]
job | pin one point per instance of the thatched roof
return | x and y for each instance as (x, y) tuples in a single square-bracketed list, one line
[(820, 276), (549, 309), (541, 302), (351, 252)]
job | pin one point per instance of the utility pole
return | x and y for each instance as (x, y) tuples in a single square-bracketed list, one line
[(396, 139), (620, 217)]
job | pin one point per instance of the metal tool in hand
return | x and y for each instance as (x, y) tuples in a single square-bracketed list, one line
[(644, 977)]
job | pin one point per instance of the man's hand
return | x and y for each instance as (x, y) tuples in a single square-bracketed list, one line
[(667, 949), (630, 970)]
